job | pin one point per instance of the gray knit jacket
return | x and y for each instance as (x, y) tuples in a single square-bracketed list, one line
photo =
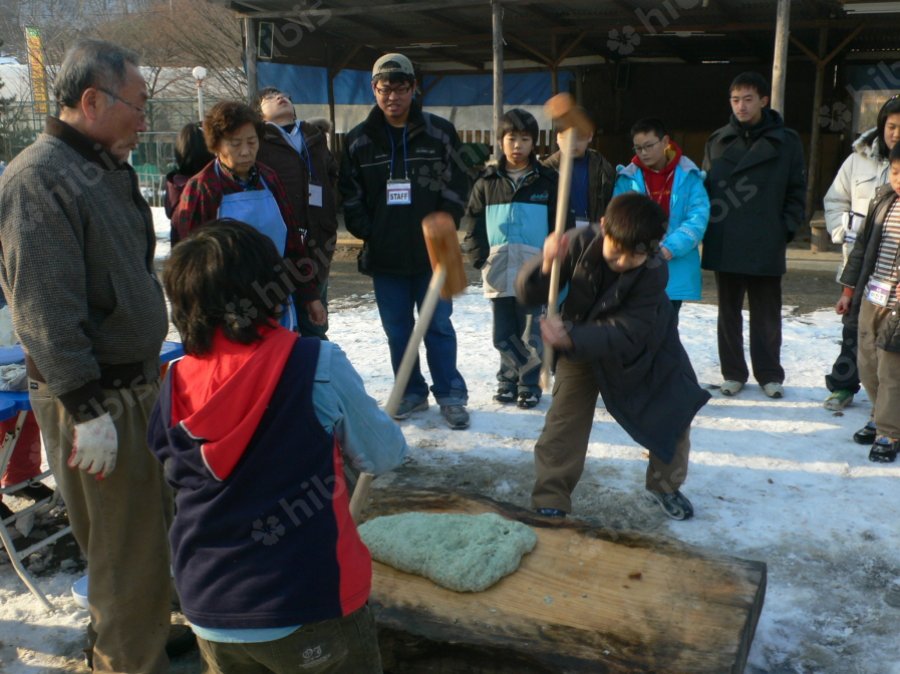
[(77, 264)]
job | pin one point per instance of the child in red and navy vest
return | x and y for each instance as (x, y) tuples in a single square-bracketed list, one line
[(252, 427)]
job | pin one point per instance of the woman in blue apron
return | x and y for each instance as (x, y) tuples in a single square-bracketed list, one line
[(234, 185)]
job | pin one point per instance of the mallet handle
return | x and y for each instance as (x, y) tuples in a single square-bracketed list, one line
[(429, 304), (562, 211)]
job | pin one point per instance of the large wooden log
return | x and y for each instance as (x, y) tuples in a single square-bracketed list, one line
[(587, 599)]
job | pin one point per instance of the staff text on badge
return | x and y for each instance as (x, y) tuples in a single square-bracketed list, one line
[(399, 193)]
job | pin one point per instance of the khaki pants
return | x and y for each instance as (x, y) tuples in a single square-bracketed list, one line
[(560, 451), (346, 645), (879, 370), (120, 523)]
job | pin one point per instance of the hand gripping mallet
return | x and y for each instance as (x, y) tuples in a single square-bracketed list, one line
[(448, 279), (568, 117)]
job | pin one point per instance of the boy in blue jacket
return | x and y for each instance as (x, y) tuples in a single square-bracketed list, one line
[(511, 210), (660, 170), (252, 426), (617, 337)]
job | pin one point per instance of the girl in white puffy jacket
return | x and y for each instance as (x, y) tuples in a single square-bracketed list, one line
[(866, 169)]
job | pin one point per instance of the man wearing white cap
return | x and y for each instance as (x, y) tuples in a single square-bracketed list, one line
[(398, 166)]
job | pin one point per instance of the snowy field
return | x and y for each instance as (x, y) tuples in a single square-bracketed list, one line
[(776, 481)]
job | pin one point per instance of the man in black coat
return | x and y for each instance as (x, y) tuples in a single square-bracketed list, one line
[(757, 188), (398, 166)]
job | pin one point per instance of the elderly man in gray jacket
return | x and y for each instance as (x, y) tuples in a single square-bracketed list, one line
[(77, 267)]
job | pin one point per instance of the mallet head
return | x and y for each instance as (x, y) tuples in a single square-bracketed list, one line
[(443, 251)]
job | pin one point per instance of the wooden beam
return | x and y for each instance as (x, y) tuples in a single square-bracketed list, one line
[(361, 9), (464, 27), (815, 132), (497, 49), (779, 58), (250, 54), (569, 47), (349, 56), (527, 47)]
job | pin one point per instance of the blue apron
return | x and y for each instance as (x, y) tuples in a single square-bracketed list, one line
[(259, 209)]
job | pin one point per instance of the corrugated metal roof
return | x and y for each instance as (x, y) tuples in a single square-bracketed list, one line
[(456, 34)]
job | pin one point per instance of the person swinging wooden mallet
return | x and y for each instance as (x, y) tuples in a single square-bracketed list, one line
[(571, 120), (448, 279)]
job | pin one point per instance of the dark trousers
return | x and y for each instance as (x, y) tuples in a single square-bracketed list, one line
[(520, 361), (845, 372), (764, 296), (562, 447), (346, 645)]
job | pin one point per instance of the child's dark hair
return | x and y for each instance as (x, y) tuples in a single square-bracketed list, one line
[(649, 125), (890, 107), (894, 153), (752, 80), (518, 119), (191, 153), (224, 275), (635, 223)]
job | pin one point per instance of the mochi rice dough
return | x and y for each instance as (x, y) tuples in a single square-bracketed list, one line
[(465, 553)]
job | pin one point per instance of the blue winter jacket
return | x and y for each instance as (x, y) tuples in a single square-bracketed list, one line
[(506, 224), (688, 217)]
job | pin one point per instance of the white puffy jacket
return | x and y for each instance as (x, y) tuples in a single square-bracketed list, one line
[(847, 200)]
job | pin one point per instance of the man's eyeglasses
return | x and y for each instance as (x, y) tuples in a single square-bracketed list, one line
[(139, 110), (646, 147), (385, 92)]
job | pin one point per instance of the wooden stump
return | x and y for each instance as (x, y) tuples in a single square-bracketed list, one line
[(586, 599)]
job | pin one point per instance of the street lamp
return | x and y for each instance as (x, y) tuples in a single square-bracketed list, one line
[(199, 73)]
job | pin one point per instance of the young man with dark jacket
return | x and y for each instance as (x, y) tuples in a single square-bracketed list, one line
[(757, 189), (871, 295), (398, 166), (298, 153)]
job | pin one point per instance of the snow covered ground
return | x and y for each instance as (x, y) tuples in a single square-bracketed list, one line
[(777, 481)]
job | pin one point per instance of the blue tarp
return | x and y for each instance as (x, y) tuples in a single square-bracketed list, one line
[(308, 85)]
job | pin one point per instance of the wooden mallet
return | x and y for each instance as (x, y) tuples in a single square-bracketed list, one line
[(571, 119), (447, 280)]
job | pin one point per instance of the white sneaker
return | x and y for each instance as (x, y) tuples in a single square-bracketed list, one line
[(731, 387), (773, 389)]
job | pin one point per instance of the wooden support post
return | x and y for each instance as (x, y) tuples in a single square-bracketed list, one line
[(815, 135), (331, 106), (779, 60), (250, 28), (497, 24)]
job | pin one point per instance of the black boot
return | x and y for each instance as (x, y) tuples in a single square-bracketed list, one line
[(866, 434), (884, 450)]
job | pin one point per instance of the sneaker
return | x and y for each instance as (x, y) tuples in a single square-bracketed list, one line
[(36, 491), (839, 399), (551, 512), (528, 400), (505, 397), (773, 389), (884, 450), (407, 407), (866, 435), (674, 505), (456, 416), (731, 387)]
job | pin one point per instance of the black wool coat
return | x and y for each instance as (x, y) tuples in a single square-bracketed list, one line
[(757, 193)]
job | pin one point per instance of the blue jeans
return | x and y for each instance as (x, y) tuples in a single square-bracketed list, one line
[(520, 362), (396, 296)]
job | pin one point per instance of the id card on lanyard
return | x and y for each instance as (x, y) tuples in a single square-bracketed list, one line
[(879, 292), (398, 191), (315, 195)]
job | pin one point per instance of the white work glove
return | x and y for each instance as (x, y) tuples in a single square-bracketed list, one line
[(95, 447)]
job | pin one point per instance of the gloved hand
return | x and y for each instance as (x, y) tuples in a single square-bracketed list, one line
[(95, 447)]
